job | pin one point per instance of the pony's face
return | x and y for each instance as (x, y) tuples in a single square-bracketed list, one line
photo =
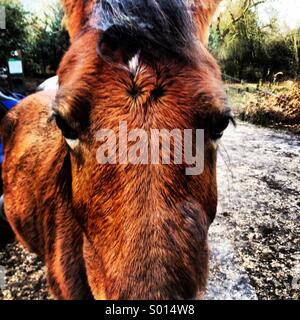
[(145, 220)]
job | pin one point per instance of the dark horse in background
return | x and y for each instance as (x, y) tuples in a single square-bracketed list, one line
[(118, 231)]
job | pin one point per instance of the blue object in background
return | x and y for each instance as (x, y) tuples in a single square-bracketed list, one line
[(7, 102), (1, 153)]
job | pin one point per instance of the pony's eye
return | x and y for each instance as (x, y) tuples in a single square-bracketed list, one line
[(67, 131), (220, 123)]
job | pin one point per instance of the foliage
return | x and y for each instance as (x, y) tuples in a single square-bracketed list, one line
[(280, 110), (42, 40), (48, 44), (283, 54), (15, 35), (245, 48), (250, 51)]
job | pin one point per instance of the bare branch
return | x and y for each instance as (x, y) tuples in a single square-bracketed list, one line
[(246, 6)]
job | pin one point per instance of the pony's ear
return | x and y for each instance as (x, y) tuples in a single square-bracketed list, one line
[(77, 14), (204, 11), (117, 46)]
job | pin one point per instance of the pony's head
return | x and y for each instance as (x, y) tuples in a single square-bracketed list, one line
[(138, 70)]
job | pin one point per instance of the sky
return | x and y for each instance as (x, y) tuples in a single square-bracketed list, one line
[(37, 6), (288, 10)]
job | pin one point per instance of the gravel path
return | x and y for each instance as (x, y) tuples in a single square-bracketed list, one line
[(259, 215), (255, 240)]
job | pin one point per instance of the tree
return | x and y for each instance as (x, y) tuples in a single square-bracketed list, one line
[(15, 35), (43, 41), (238, 40), (236, 11), (251, 51), (283, 54), (48, 44)]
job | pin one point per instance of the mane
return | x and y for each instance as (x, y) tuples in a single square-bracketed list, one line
[(154, 27)]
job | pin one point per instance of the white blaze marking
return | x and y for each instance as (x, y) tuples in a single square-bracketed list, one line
[(72, 143), (134, 64)]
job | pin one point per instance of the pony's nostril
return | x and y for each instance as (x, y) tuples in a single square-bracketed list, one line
[(134, 92), (157, 93)]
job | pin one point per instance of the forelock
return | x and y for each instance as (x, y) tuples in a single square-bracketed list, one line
[(164, 26)]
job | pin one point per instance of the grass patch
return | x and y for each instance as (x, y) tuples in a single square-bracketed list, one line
[(272, 106)]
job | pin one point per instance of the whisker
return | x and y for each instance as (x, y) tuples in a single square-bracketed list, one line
[(226, 158)]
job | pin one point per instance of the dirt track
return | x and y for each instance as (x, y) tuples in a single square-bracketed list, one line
[(255, 240), (259, 214)]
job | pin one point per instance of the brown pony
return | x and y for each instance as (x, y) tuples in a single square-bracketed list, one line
[(119, 231)]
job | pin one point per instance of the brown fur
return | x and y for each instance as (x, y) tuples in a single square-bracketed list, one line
[(77, 14), (204, 12), (113, 231)]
